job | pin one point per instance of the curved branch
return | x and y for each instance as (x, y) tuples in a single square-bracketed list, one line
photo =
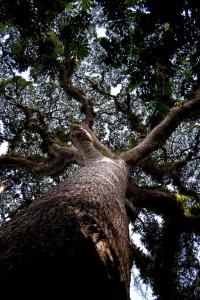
[(61, 157), (164, 203), (156, 200), (66, 71), (162, 131), (17, 161), (157, 172)]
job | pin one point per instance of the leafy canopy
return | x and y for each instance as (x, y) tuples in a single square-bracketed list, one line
[(151, 49)]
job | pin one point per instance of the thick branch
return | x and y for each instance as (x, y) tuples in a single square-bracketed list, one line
[(163, 203), (21, 162), (61, 157), (97, 144), (156, 200), (163, 131), (168, 168), (83, 141)]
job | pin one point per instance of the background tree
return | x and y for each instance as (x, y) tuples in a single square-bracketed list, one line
[(151, 50)]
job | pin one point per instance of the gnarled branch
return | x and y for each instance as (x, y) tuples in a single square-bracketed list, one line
[(60, 158), (163, 131)]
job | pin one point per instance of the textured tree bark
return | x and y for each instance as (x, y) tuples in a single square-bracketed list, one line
[(72, 243)]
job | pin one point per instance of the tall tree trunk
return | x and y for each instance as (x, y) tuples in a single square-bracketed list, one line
[(72, 243)]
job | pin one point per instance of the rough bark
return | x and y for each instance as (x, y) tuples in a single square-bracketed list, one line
[(72, 241)]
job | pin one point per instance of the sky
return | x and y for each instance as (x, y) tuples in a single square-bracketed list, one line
[(3, 148), (4, 145)]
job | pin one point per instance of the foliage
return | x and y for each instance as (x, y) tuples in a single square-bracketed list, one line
[(152, 49)]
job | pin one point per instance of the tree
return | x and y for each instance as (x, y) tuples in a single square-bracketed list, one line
[(128, 157)]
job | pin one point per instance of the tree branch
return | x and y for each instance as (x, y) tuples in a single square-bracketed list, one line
[(156, 200), (182, 188), (143, 261), (30, 123), (164, 203), (97, 144), (172, 171), (163, 131), (124, 108), (61, 157), (66, 71)]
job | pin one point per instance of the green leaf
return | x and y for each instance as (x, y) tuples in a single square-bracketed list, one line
[(68, 7), (84, 5), (181, 198)]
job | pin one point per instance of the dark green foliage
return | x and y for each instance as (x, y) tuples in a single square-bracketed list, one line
[(31, 16), (152, 49)]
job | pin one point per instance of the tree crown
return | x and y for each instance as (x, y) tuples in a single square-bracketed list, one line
[(150, 50)]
